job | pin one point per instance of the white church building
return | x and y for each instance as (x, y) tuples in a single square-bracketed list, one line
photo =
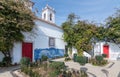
[(45, 39)]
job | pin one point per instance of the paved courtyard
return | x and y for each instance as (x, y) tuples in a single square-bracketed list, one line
[(110, 70), (7, 71)]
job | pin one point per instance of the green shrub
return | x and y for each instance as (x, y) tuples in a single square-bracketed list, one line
[(86, 59), (25, 61), (104, 55), (24, 69), (64, 74), (38, 62), (53, 74), (81, 59), (50, 61), (45, 66), (65, 55), (75, 57), (33, 64), (57, 65), (44, 58), (1, 64), (93, 61), (6, 61), (28, 71), (99, 58), (67, 58), (35, 74), (104, 62)]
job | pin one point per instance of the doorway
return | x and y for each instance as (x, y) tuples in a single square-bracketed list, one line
[(27, 49)]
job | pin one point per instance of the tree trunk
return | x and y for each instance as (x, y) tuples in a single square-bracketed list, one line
[(6, 53), (7, 58)]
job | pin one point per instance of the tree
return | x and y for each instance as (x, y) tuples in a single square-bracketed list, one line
[(101, 33), (15, 18), (84, 32), (113, 27), (68, 30), (78, 33)]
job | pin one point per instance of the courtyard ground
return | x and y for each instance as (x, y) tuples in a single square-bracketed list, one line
[(7, 71), (110, 70)]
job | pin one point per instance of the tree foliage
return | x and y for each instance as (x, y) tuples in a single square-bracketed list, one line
[(113, 27), (78, 33), (15, 18), (84, 32), (101, 33), (68, 30)]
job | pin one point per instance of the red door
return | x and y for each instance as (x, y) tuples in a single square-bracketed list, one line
[(27, 50), (106, 50)]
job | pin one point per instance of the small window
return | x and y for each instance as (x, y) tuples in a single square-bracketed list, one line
[(50, 17), (44, 16), (51, 42)]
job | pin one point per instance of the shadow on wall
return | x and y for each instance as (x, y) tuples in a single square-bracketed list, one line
[(49, 52)]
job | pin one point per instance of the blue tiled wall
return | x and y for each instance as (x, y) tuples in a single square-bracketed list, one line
[(49, 52)]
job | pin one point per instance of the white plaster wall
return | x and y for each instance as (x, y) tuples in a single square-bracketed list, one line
[(1, 56), (40, 39), (59, 43), (44, 32), (86, 54), (97, 49), (17, 52), (41, 42), (114, 50), (49, 30), (102, 44)]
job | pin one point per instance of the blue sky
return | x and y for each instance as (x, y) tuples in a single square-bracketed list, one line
[(91, 10)]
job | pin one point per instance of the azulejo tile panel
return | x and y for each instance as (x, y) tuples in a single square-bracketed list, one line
[(49, 52)]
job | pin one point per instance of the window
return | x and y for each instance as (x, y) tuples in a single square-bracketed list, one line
[(51, 42), (50, 17), (44, 16)]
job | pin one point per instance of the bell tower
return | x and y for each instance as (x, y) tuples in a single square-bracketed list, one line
[(48, 14)]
